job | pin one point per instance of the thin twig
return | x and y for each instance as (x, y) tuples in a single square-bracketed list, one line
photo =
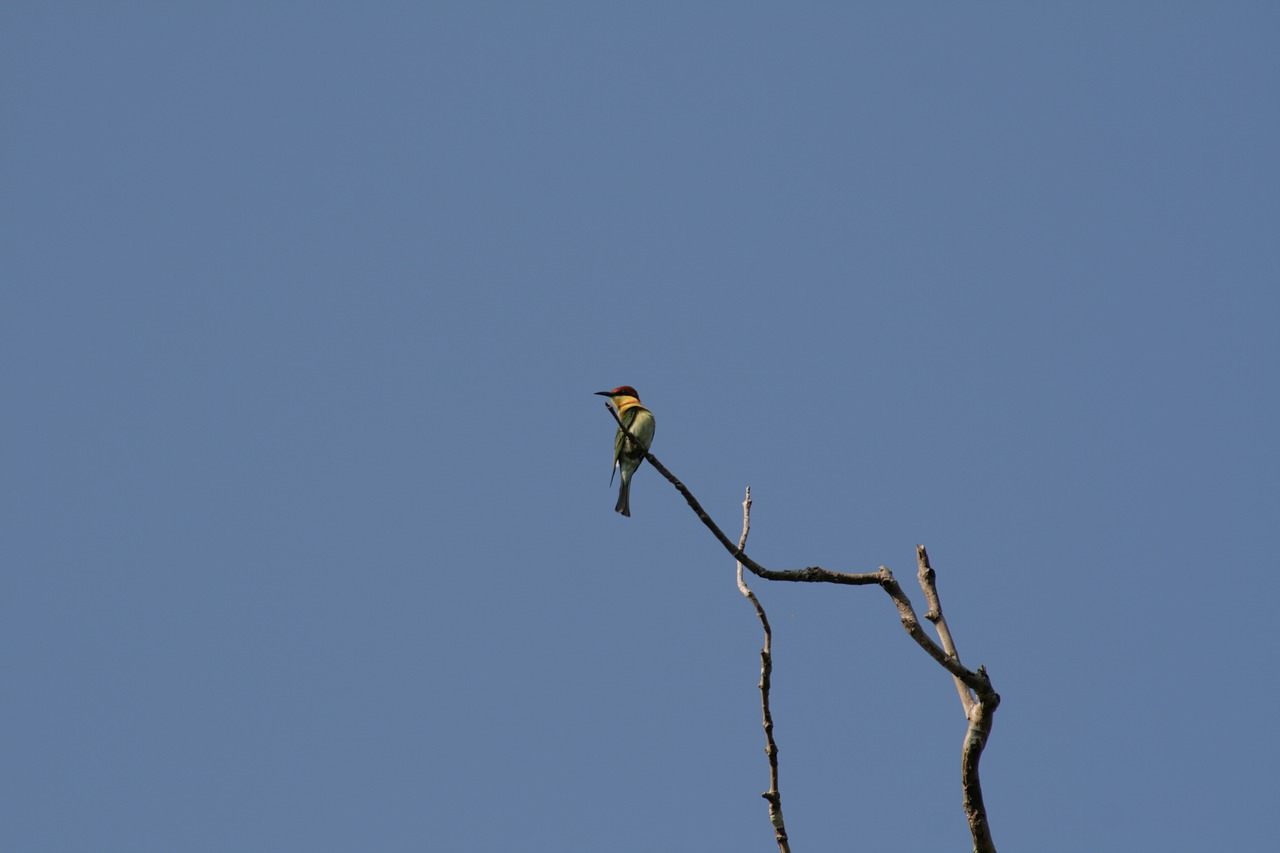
[(929, 583), (812, 574), (773, 795)]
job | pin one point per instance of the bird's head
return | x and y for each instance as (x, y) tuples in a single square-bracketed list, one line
[(620, 391)]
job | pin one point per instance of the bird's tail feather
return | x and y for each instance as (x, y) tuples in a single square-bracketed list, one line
[(624, 498)]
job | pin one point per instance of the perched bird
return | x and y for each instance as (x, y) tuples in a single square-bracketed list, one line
[(627, 456)]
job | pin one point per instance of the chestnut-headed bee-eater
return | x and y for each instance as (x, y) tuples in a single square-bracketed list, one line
[(627, 456)]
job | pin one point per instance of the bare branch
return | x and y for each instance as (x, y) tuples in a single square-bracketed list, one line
[(977, 697), (816, 574), (773, 795), (975, 740), (978, 710), (929, 583), (812, 574)]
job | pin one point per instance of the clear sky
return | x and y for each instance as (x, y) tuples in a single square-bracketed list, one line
[(309, 541)]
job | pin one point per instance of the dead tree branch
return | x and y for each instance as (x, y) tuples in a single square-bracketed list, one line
[(773, 795), (977, 697), (978, 711)]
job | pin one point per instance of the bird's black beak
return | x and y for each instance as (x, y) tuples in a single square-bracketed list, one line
[(604, 393)]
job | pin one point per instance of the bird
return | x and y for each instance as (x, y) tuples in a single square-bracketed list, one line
[(627, 455)]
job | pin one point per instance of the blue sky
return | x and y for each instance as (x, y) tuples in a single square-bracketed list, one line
[(309, 541)]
